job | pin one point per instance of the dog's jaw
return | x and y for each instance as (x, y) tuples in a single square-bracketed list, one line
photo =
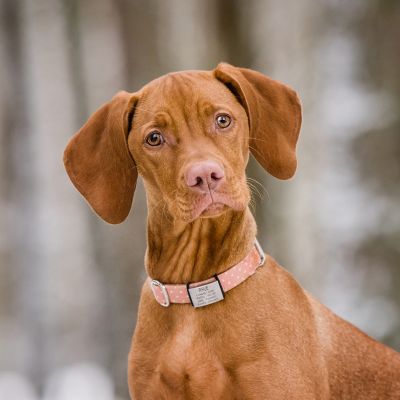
[(214, 204), (213, 210)]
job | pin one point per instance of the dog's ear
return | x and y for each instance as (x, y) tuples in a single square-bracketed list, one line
[(99, 163), (274, 113)]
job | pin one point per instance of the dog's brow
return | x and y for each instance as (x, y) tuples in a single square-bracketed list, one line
[(207, 109), (162, 119)]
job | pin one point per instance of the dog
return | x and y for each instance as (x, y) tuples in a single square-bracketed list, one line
[(218, 319)]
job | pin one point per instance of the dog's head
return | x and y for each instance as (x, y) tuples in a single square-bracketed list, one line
[(188, 134)]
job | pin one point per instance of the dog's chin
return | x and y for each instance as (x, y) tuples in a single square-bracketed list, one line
[(207, 207), (214, 210)]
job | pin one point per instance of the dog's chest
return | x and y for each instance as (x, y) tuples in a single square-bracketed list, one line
[(188, 363), (190, 354), (182, 352)]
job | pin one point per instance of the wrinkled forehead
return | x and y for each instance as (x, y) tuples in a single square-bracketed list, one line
[(186, 93)]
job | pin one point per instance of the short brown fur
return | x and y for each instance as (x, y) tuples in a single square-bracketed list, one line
[(268, 339)]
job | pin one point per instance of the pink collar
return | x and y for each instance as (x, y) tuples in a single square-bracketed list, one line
[(210, 291)]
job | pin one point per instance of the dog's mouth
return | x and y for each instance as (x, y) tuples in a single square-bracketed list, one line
[(213, 210), (210, 205)]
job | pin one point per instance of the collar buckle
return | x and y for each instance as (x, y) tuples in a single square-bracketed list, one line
[(163, 289), (260, 252)]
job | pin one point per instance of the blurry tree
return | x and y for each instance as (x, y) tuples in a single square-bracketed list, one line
[(377, 149), (17, 219)]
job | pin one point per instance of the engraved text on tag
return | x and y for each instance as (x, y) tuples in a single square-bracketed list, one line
[(206, 294)]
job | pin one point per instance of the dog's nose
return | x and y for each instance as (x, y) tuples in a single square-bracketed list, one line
[(204, 176)]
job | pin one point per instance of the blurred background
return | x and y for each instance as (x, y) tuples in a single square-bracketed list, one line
[(70, 283)]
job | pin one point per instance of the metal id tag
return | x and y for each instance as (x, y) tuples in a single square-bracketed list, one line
[(206, 294)]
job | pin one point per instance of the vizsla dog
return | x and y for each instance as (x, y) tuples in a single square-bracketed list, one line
[(217, 319)]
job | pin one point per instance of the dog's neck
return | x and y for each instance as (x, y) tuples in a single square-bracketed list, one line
[(179, 252)]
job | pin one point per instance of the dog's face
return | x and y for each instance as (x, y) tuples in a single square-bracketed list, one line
[(189, 140), (188, 135)]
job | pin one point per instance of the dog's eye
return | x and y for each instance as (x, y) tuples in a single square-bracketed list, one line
[(223, 120), (154, 139)]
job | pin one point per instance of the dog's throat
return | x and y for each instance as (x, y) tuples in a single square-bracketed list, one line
[(179, 253)]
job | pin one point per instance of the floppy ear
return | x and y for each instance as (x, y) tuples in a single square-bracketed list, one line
[(274, 113), (99, 163)]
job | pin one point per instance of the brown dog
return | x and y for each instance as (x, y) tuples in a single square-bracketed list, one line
[(188, 135)]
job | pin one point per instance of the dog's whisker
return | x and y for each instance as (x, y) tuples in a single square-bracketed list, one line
[(254, 190), (258, 139), (256, 182)]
